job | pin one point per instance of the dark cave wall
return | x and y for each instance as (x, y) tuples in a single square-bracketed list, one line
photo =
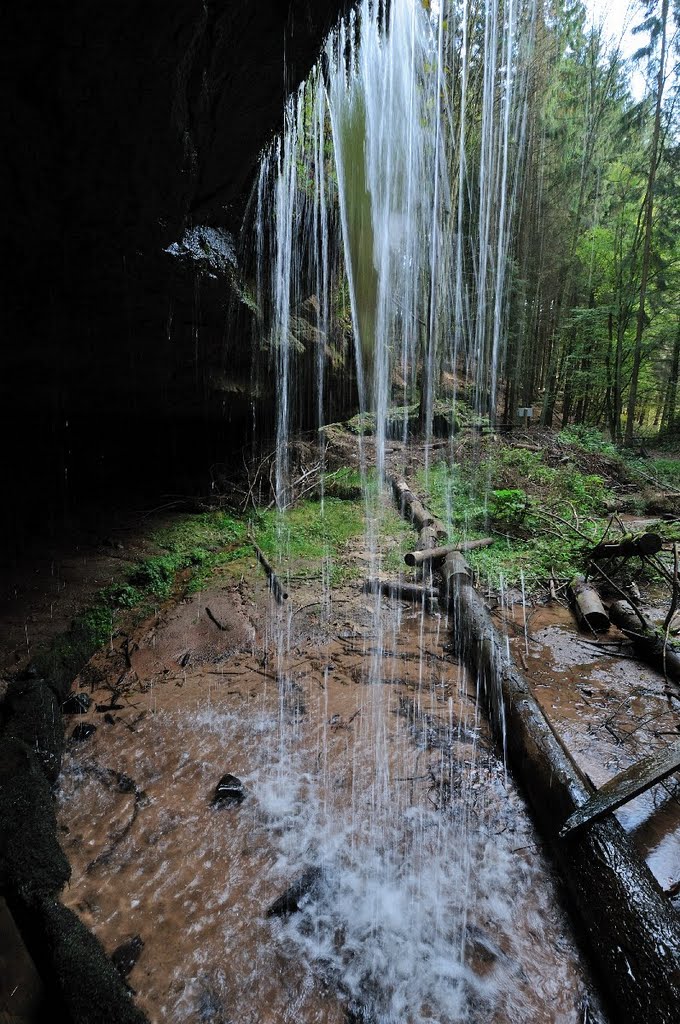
[(125, 125)]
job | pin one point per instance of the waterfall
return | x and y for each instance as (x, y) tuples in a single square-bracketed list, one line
[(397, 170), (394, 181)]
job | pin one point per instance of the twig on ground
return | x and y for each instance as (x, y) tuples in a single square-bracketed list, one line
[(565, 522)]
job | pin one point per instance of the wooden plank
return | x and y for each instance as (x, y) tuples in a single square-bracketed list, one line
[(640, 777), (434, 554)]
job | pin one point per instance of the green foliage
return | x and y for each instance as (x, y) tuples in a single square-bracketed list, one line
[(512, 492), (121, 595), (343, 483), (668, 531), (665, 471), (508, 506), (300, 539), (588, 439), (510, 561), (156, 575), (586, 491)]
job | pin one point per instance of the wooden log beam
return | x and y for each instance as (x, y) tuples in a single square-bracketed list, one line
[(427, 539), (630, 544), (636, 779), (632, 929), (402, 590), (412, 508), (648, 643), (438, 554), (590, 611), (277, 590)]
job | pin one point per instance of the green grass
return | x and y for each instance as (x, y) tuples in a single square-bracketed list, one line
[(588, 439), (299, 540), (513, 496), (661, 473), (192, 547)]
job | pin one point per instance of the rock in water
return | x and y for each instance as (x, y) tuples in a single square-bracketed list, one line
[(76, 704), (127, 954), (289, 901), (83, 731), (229, 792)]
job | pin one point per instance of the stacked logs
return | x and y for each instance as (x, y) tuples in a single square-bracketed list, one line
[(632, 930)]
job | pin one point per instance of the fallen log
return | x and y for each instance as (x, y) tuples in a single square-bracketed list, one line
[(412, 508), (627, 546), (636, 779), (427, 538), (437, 554), (632, 929), (402, 590), (589, 609), (649, 644), (277, 590)]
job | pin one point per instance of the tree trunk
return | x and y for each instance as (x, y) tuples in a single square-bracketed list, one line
[(649, 212), (588, 606), (412, 508), (401, 590), (671, 398), (642, 544), (435, 554)]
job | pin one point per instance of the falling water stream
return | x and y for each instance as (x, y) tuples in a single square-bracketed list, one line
[(382, 178)]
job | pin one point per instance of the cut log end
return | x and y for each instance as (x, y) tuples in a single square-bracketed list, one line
[(590, 611)]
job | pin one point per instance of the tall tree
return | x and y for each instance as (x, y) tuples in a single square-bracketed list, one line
[(657, 26)]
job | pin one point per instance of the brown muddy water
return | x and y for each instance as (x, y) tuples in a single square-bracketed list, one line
[(362, 754), (610, 710)]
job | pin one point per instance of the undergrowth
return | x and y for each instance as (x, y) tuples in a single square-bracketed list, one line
[(543, 519), (309, 539)]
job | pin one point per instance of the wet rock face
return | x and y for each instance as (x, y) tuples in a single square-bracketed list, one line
[(128, 126), (126, 955)]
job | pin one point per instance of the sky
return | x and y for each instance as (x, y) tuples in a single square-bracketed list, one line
[(618, 18)]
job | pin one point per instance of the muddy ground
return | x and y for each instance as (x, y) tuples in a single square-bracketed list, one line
[(361, 751), (291, 702)]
